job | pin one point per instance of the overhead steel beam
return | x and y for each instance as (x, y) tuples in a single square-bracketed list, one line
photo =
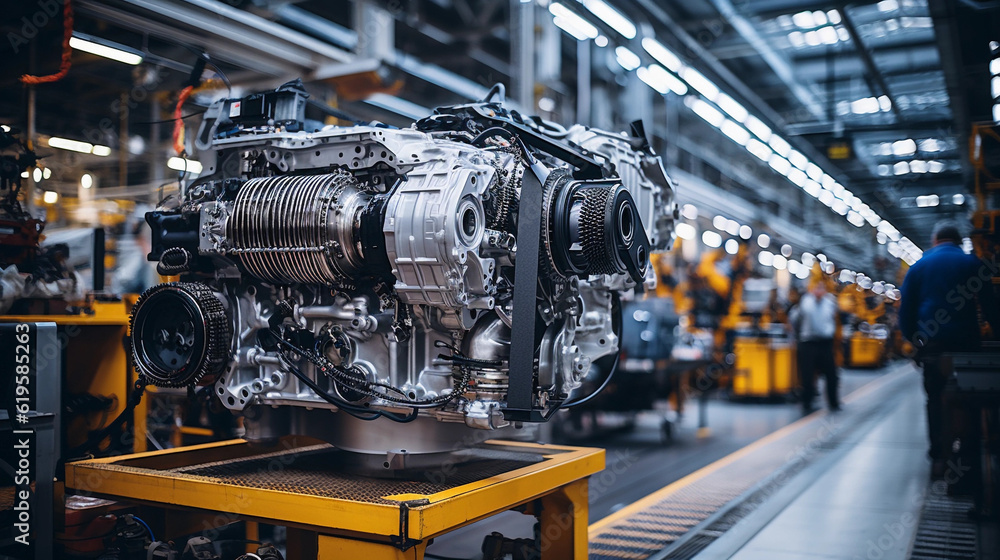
[(329, 31), (762, 109), (781, 67), (946, 31), (819, 128), (900, 48), (841, 80), (297, 18), (866, 57), (229, 34)]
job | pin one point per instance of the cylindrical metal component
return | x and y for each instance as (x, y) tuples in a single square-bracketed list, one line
[(180, 335), (489, 340), (298, 229), (592, 227)]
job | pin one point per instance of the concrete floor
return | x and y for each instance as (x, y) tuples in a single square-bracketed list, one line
[(867, 504), (648, 464)]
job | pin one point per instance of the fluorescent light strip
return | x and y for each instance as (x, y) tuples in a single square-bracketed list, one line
[(627, 59), (71, 145), (779, 164), (779, 145), (612, 17), (656, 77), (662, 54), (78, 146), (759, 129), (759, 149), (798, 160), (701, 108), (735, 132), (571, 23), (105, 51), (187, 165), (700, 83), (731, 107)]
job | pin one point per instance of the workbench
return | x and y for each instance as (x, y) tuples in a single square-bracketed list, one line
[(332, 514)]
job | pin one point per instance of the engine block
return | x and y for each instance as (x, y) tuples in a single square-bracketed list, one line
[(358, 283)]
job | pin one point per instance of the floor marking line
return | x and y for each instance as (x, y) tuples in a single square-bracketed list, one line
[(687, 480)]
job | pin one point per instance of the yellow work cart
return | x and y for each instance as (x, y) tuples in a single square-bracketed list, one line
[(764, 365)]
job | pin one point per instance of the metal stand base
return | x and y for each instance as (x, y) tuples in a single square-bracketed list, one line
[(331, 514)]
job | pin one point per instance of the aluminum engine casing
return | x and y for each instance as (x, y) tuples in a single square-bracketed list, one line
[(386, 256)]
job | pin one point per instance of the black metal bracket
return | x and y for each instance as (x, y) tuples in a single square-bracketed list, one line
[(402, 541)]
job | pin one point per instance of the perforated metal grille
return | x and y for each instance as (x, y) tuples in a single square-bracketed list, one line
[(945, 531), (314, 471)]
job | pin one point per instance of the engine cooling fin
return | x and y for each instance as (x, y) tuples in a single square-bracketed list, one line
[(297, 228)]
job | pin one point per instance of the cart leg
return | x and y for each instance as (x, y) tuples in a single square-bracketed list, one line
[(252, 530), (563, 520), (341, 548), (703, 429), (666, 431)]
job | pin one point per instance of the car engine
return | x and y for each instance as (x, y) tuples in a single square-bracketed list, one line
[(386, 289)]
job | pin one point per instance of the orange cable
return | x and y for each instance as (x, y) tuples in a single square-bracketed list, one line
[(179, 121), (67, 52)]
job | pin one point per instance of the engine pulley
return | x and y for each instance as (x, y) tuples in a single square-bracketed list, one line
[(180, 335), (592, 227)]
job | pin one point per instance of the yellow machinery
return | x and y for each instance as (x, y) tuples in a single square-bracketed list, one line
[(764, 356), (712, 300), (865, 351), (868, 344), (764, 368), (97, 365), (331, 515), (986, 219)]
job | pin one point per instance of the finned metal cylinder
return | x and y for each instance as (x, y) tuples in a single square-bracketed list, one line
[(592, 227), (298, 229)]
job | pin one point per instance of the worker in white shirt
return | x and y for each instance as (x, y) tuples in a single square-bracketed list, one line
[(815, 322)]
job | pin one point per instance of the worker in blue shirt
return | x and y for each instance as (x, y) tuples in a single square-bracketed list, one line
[(939, 313)]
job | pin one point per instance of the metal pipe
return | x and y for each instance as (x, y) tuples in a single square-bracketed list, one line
[(231, 34), (522, 52), (29, 196), (123, 139), (870, 67), (583, 82)]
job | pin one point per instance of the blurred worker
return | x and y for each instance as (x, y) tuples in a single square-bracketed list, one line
[(814, 320), (938, 314)]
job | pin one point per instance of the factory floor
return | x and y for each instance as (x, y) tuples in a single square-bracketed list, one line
[(767, 483)]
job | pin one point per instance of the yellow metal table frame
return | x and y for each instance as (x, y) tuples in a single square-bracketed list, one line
[(96, 362), (555, 490)]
